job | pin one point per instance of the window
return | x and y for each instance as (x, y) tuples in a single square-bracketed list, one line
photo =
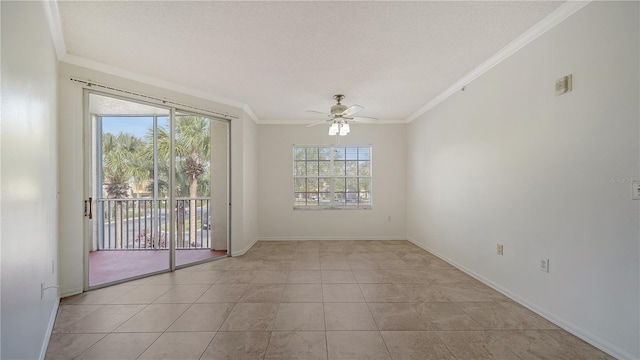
[(331, 177)]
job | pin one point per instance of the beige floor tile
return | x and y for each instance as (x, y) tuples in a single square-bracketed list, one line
[(144, 294), (68, 314), (373, 276), (120, 346), (302, 293), (170, 278), (219, 264), (297, 345), (410, 276), (276, 265), (268, 303), (202, 317), (342, 293), (262, 293), (527, 315), (392, 264), (461, 292), (377, 256), (348, 316), (423, 292), (356, 345), (201, 277), (415, 345), (334, 264), (251, 317), (338, 277), (305, 264), (182, 294), (397, 316), (492, 316), (584, 350), (360, 263), (103, 320), (153, 318), (178, 345), (236, 277), (99, 296), (69, 346), (385, 293), (304, 277), (446, 316), (299, 316), (333, 255), (535, 344), (475, 345), (223, 293), (270, 277), (249, 264), (238, 345)]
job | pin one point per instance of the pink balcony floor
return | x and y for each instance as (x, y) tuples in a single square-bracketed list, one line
[(109, 266)]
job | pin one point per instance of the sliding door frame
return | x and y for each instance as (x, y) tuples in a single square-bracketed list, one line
[(90, 191)]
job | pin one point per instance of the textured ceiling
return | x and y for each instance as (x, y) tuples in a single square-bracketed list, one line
[(283, 58)]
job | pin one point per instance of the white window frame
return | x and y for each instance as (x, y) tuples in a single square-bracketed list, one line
[(333, 203)]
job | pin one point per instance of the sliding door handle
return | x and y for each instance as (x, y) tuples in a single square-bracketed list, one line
[(87, 208)]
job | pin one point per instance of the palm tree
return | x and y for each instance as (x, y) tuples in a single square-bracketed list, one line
[(192, 149), (118, 166)]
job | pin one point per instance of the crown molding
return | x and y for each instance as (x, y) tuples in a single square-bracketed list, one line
[(149, 80), (247, 109), (550, 21), (55, 26)]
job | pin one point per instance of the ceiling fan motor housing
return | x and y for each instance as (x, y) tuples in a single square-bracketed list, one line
[(338, 109)]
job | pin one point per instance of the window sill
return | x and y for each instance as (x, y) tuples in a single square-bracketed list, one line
[(315, 208)]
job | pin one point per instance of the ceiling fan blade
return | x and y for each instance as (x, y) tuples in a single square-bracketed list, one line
[(366, 117), (318, 112), (365, 120), (352, 110), (319, 122)]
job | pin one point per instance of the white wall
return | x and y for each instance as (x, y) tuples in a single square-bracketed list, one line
[(506, 161), (250, 184), (72, 160), (277, 218), (28, 180)]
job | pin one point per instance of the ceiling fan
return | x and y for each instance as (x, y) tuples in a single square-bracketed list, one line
[(341, 116)]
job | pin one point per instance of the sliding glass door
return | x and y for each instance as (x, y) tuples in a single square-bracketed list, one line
[(201, 217), (146, 218)]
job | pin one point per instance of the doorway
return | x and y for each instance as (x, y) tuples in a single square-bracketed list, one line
[(159, 187)]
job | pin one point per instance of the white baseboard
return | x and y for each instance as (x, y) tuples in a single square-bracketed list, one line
[(244, 251), (69, 292), (585, 335), (47, 335), (311, 238)]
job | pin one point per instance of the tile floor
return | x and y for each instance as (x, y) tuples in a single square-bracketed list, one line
[(309, 300)]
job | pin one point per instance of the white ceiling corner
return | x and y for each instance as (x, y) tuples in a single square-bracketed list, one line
[(277, 59)]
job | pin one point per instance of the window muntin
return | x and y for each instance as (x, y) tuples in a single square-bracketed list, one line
[(332, 177)]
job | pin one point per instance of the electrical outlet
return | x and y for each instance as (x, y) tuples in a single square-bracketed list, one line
[(500, 249), (544, 265)]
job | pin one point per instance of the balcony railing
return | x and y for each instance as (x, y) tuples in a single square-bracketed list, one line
[(143, 224)]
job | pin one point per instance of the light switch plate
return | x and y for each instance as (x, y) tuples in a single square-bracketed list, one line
[(635, 188)]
